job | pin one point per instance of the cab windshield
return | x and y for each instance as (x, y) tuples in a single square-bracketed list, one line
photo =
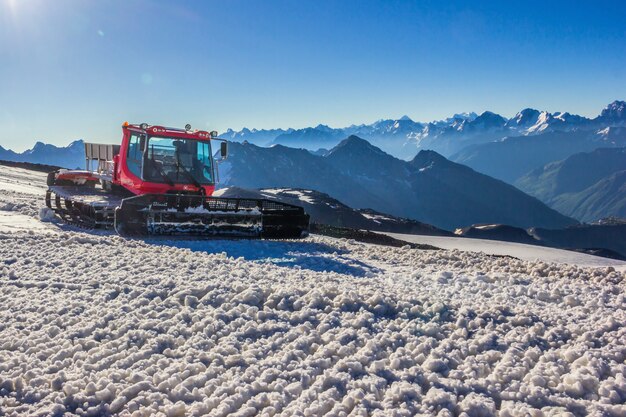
[(173, 160)]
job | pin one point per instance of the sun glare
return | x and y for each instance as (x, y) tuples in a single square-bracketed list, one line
[(19, 10), (20, 6), (11, 5)]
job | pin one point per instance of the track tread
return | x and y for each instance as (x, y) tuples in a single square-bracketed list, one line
[(130, 217)]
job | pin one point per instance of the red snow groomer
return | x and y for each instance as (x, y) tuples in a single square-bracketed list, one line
[(160, 180)]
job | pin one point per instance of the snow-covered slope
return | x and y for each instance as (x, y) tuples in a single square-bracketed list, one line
[(323, 209), (517, 250), (21, 197), (21, 180), (95, 324)]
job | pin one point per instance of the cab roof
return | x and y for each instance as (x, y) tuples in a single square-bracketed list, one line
[(170, 131)]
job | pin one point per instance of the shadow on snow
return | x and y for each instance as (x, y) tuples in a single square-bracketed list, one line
[(317, 257)]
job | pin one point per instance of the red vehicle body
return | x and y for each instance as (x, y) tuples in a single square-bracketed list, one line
[(160, 180), (124, 177)]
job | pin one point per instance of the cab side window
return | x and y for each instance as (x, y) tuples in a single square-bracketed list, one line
[(134, 156), (205, 159)]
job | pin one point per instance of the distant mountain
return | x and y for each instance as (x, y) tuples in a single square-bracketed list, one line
[(513, 157), (469, 116), (403, 137), (374, 170), (324, 209), (313, 137), (7, 154), (429, 188), (454, 195), (588, 186), (524, 119), (262, 137), (446, 139), (71, 156), (531, 121), (572, 174), (613, 115), (607, 197), (251, 166), (395, 135)]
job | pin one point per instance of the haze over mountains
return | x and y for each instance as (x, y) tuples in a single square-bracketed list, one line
[(510, 158), (587, 186), (404, 137)]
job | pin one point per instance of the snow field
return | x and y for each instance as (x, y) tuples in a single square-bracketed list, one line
[(517, 250), (22, 181), (21, 202), (93, 325), (21, 191)]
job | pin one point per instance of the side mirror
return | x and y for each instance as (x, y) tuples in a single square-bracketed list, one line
[(143, 143), (224, 150)]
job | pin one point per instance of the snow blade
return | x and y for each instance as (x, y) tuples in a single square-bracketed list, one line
[(174, 214)]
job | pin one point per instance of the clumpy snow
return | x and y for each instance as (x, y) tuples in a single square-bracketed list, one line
[(99, 324), (95, 324)]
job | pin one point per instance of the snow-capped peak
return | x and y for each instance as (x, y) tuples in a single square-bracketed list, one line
[(489, 120), (544, 117), (456, 119), (324, 128), (615, 111), (525, 117), (542, 122), (465, 116)]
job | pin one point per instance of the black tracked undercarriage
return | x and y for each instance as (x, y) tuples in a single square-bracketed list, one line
[(92, 207)]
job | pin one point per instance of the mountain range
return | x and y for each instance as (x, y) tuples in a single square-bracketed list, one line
[(543, 155), (429, 188), (404, 137), (71, 156), (510, 158)]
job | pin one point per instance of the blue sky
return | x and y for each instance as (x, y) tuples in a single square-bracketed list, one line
[(74, 69)]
